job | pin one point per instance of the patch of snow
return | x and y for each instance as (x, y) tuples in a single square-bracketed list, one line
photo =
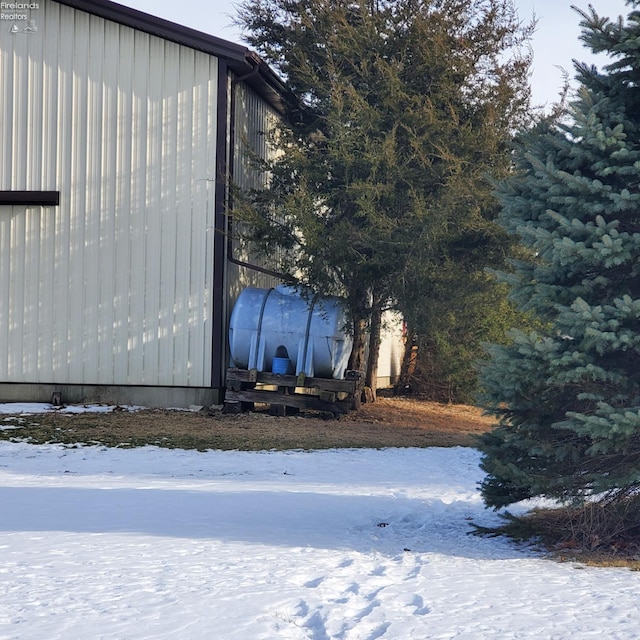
[(339, 545), (29, 408)]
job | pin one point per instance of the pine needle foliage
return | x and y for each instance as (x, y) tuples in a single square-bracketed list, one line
[(404, 107), (568, 395)]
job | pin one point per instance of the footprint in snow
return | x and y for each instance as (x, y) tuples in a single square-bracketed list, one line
[(313, 584), (418, 603)]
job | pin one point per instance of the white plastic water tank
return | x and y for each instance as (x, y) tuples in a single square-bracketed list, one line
[(280, 324)]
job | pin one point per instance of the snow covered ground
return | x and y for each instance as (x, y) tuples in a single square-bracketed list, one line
[(101, 543)]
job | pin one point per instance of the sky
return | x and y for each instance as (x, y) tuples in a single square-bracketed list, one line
[(343, 544), (555, 44)]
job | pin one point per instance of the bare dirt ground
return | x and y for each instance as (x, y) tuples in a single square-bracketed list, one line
[(389, 422)]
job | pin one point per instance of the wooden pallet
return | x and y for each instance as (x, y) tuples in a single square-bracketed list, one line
[(282, 392)]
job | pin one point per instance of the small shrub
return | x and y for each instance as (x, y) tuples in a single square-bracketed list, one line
[(604, 532)]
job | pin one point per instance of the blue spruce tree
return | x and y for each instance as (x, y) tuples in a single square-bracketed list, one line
[(568, 395)]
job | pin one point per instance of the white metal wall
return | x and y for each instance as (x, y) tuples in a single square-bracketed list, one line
[(253, 121), (392, 346), (113, 286)]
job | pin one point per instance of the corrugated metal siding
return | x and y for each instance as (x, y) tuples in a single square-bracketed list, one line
[(253, 120), (114, 285)]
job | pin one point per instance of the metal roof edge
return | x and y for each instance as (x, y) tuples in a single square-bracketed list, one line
[(162, 28), (241, 60)]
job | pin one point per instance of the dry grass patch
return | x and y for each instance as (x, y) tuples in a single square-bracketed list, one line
[(389, 422), (602, 534)]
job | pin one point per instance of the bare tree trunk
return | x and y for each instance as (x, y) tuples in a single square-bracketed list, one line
[(409, 362), (360, 339), (371, 377)]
